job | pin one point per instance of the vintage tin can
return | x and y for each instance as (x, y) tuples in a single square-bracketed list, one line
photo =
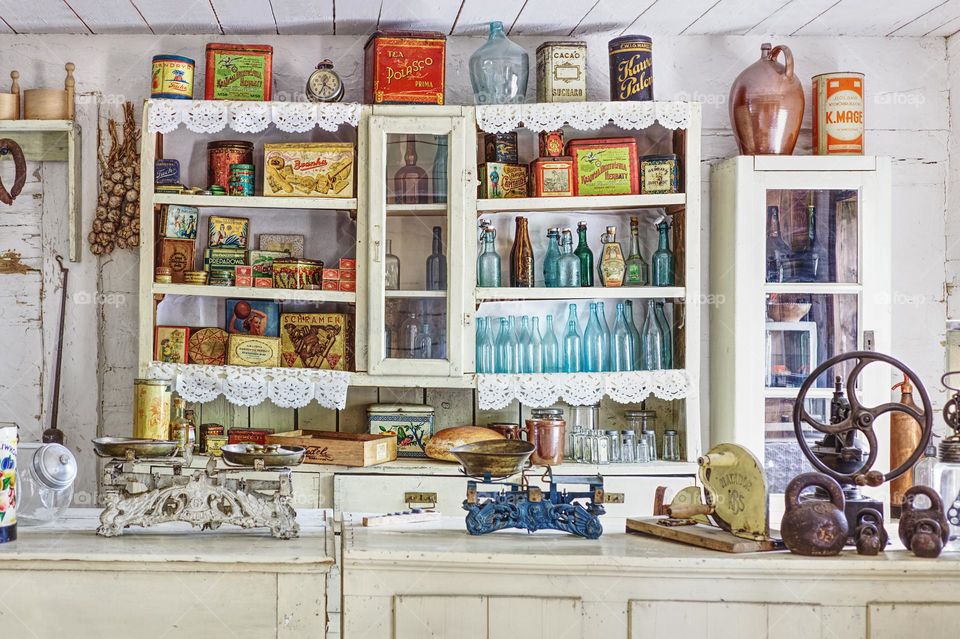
[(404, 67), (172, 77), (412, 424), (214, 445), (298, 274), (314, 169), (562, 72), (223, 259), (605, 166), (221, 154), (500, 180), (552, 177), (151, 409), (262, 262), (550, 143), (242, 179), (206, 431), (249, 435), (208, 346), (317, 340), (179, 222), (253, 350), (239, 72), (171, 344), (227, 232), (660, 174), (838, 113), (631, 68), (500, 147), (8, 481), (263, 282), (166, 172)]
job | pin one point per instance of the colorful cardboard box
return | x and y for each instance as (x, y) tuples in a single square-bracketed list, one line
[(179, 222), (317, 340), (501, 180), (308, 169), (250, 350), (252, 317), (228, 232), (171, 344), (262, 261)]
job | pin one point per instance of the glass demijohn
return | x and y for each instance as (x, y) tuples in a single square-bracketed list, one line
[(499, 69)]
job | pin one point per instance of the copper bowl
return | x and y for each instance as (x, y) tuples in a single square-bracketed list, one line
[(499, 457), (788, 311)]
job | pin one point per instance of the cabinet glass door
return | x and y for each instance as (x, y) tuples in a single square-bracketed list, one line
[(416, 262)]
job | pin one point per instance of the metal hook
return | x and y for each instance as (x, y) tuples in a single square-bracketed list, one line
[(943, 381)]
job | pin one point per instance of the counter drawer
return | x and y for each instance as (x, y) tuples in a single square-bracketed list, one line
[(384, 493)]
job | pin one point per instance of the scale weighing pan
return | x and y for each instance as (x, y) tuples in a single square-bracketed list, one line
[(270, 455), (140, 448)]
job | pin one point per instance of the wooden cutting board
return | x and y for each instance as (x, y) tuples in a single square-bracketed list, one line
[(700, 535)]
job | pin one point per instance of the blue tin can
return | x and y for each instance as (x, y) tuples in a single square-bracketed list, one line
[(242, 179), (166, 172), (631, 68)]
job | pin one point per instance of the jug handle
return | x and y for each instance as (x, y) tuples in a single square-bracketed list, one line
[(787, 59)]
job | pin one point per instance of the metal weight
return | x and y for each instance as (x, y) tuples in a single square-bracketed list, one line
[(870, 536), (814, 527), (862, 419), (927, 540), (911, 517)]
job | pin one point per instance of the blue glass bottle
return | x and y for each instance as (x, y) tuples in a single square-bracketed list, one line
[(605, 333), (536, 346), (504, 349), (488, 262), (486, 347), (551, 259), (551, 348), (571, 350), (481, 334), (514, 338), (652, 340), (621, 353), (572, 317), (499, 70), (439, 173), (637, 356), (662, 260), (568, 266), (594, 354), (667, 333), (526, 346)]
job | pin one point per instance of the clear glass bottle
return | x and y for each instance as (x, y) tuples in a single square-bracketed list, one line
[(551, 348), (409, 330), (572, 316), (948, 469), (612, 264), (499, 69), (522, 266), (613, 442), (391, 269), (924, 473), (621, 351), (526, 346), (569, 264), (179, 426), (652, 340), (637, 272), (572, 350), (600, 448), (551, 259), (667, 332), (635, 334), (488, 262), (439, 172), (425, 342), (486, 346), (777, 248), (643, 451), (628, 447), (437, 265), (606, 337), (410, 180), (593, 353), (585, 255), (536, 346), (506, 348), (671, 446), (663, 271)]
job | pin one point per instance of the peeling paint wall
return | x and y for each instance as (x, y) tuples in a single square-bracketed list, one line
[(907, 117)]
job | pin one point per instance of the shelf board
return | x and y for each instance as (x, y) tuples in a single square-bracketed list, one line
[(584, 293), (416, 294), (249, 292), (813, 288), (37, 125), (258, 202), (582, 203), (417, 210), (467, 380)]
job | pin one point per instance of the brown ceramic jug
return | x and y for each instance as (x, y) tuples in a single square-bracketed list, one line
[(766, 104)]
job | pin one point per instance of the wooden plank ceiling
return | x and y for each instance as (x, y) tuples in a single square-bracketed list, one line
[(910, 18)]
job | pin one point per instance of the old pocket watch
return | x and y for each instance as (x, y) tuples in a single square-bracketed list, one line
[(324, 85)]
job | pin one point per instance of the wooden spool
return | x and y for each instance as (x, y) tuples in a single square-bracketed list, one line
[(10, 102), (51, 104)]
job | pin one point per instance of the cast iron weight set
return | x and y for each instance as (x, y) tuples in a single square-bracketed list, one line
[(821, 527)]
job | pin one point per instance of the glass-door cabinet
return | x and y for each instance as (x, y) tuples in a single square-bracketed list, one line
[(799, 273), (419, 187)]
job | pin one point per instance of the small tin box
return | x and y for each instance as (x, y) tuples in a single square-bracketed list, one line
[(170, 344), (605, 166), (223, 259), (562, 72), (214, 445), (228, 232), (166, 172), (500, 147), (331, 274), (262, 261), (347, 275), (330, 285), (404, 67), (298, 274), (263, 282), (348, 264), (412, 423), (550, 143), (239, 72), (206, 430), (208, 346), (253, 350), (660, 174), (178, 256), (317, 340), (179, 222), (277, 242), (499, 180), (349, 286), (552, 177), (308, 169), (172, 77), (249, 435)]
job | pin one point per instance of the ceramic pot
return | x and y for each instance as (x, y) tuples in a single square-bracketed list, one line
[(766, 104)]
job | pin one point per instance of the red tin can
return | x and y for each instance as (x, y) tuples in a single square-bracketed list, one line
[(404, 67), (550, 143), (552, 177), (239, 72), (605, 166), (221, 154)]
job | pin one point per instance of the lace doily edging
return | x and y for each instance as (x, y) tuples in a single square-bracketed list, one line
[(584, 116), (212, 116)]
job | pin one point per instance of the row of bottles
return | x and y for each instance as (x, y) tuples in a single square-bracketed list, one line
[(564, 266), (411, 184), (436, 266), (513, 345), (421, 335), (783, 263)]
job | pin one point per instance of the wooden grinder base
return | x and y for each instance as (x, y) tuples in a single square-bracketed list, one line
[(700, 535)]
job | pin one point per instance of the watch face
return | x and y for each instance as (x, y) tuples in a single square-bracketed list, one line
[(324, 84)]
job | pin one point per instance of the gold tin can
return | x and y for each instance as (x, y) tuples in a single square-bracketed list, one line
[(562, 72), (151, 409), (214, 444)]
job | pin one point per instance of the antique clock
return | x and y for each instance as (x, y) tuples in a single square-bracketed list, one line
[(324, 85)]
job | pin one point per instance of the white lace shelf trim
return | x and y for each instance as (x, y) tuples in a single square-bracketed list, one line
[(584, 116), (285, 387), (579, 389), (213, 116)]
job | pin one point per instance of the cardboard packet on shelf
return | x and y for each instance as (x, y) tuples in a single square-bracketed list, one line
[(249, 350), (308, 169)]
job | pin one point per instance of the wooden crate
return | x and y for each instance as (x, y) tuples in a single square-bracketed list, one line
[(340, 449)]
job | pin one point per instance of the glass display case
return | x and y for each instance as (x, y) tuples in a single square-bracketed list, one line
[(820, 287)]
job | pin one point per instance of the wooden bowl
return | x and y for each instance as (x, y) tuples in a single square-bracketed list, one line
[(788, 311), (46, 104)]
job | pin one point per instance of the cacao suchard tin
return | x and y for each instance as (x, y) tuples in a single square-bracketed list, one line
[(631, 68), (838, 114), (562, 72)]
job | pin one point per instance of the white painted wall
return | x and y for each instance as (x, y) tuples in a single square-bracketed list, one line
[(908, 118)]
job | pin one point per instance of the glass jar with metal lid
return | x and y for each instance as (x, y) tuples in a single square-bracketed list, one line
[(44, 483), (948, 469), (642, 422)]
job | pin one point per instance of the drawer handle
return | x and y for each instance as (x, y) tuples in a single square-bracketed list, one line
[(421, 499), (613, 498)]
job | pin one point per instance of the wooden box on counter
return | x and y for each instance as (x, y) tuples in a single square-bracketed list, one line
[(340, 449)]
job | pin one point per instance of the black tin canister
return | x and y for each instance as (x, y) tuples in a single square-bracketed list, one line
[(631, 68)]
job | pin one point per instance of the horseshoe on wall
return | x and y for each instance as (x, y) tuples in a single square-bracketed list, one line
[(9, 146)]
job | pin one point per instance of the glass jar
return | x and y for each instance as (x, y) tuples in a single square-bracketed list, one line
[(640, 420), (948, 468), (671, 446), (46, 473), (924, 470), (581, 444), (613, 437), (585, 417), (650, 436), (628, 447), (643, 451), (600, 448)]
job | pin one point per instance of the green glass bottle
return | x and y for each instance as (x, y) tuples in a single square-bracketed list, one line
[(585, 255), (663, 271), (637, 272)]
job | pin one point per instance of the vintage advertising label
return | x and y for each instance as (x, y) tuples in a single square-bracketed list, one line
[(239, 75), (603, 171), (408, 70), (8, 482), (838, 113)]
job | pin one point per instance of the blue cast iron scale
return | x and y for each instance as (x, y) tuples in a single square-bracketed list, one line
[(521, 505)]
